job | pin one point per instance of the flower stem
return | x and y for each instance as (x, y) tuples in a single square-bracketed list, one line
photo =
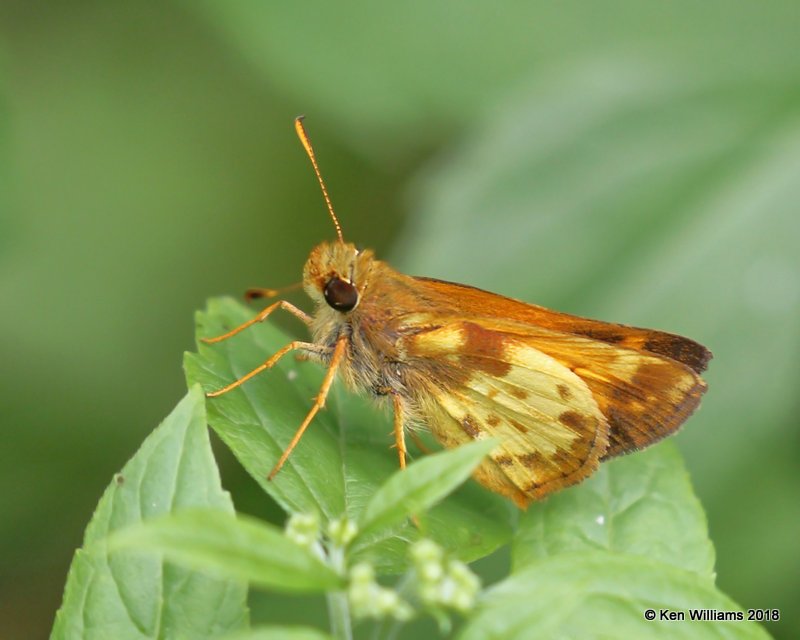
[(339, 614), (338, 606)]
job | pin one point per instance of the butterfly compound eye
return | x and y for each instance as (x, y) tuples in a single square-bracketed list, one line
[(340, 295)]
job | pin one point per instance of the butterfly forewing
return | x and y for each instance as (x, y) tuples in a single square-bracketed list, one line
[(477, 302)]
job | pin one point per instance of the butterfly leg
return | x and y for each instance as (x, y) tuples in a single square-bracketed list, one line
[(400, 442), (297, 344), (260, 292), (263, 315), (399, 432), (319, 402)]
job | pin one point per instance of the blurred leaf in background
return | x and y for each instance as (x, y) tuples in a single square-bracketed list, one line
[(667, 202), (631, 161)]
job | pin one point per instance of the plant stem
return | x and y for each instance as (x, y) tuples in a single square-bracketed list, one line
[(339, 614), (338, 607)]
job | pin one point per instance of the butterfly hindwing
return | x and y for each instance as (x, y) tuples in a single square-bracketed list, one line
[(492, 383), (558, 402)]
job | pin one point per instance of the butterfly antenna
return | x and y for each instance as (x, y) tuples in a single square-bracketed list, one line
[(301, 133)]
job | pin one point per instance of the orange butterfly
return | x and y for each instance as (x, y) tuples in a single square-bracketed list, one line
[(560, 393)]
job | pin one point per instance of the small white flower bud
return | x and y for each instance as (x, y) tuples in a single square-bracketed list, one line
[(441, 584), (431, 572), (342, 531), (463, 601), (429, 593), (386, 601), (425, 551), (402, 611), (303, 529), (368, 599), (362, 573), (463, 576)]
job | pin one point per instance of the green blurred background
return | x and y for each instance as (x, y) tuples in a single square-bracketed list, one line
[(629, 160)]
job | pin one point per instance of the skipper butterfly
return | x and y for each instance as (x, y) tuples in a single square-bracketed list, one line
[(560, 393)]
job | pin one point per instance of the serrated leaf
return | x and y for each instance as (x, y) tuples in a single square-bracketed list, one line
[(641, 504), (258, 419), (240, 548), (421, 485), (602, 595), (344, 456), (136, 595)]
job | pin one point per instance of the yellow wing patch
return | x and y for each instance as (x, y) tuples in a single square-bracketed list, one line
[(492, 384)]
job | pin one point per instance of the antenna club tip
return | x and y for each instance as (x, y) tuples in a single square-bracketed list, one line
[(301, 133)]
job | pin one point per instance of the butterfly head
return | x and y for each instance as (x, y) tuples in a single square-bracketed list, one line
[(335, 274)]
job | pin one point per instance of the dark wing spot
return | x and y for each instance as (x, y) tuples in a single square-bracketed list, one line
[(493, 420), (604, 334), (504, 461), (559, 465), (564, 392), (519, 393), (484, 350), (470, 427), (573, 419), (519, 426), (532, 461)]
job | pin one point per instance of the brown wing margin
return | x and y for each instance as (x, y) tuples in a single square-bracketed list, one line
[(474, 301)]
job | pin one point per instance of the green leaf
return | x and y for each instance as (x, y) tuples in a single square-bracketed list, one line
[(344, 456), (602, 595), (136, 595), (421, 485), (279, 633), (240, 548), (640, 504), (258, 419)]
